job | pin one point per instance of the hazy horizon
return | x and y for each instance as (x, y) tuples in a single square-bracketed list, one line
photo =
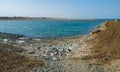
[(95, 9)]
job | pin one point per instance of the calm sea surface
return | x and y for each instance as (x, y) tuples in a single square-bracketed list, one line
[(48, 28)]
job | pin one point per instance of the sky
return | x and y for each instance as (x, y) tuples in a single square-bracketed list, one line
[(61, 8)]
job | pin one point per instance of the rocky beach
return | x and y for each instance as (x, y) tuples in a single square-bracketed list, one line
[(97, 51)]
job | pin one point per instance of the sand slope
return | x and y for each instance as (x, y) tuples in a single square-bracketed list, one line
[(99, 51), (106, 39)]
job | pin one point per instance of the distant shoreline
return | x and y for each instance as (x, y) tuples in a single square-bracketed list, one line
[(41, 18)]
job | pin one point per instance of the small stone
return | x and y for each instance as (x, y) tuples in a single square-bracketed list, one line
[(116, 20), (54, 58), (60, 49), (37, 39), (20, 41), (70, 48), (55, 53), (44, 55), (105, 58), (32, 52), (5, 40), (51, 54)]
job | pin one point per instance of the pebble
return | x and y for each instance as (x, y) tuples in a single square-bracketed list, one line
[(54, 59), (51, 54), (32, 52), (20, 41), (60, 49), (5, 40), (70, 48), (37, 39), (105, 58)]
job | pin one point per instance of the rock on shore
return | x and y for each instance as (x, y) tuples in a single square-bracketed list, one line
[(10, 36)]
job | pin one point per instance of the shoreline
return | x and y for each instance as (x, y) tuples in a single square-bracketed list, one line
[(10, 35), (41, 18), (4, 35), (69, 54), (51, 52)]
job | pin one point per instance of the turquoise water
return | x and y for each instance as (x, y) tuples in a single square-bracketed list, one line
[(49, 28)]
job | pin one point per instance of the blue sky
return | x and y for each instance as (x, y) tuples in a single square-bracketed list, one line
[(61, 8)]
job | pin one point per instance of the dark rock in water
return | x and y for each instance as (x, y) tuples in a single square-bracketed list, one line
[(24, 38), (10, 36)]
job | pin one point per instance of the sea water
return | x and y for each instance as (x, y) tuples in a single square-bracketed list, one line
[(48, 28)]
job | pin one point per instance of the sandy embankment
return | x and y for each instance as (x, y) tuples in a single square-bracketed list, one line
[(99, 51)]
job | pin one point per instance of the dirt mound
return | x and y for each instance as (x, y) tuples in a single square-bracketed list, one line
[(102, 44), (106, 39)]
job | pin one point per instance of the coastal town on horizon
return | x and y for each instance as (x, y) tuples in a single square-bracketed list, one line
[(47, 18), (39, 18)]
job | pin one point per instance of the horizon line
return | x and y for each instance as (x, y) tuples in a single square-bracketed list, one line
[(44, 17)]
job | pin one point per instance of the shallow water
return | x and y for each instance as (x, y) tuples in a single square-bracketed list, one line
[(48, 28)]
